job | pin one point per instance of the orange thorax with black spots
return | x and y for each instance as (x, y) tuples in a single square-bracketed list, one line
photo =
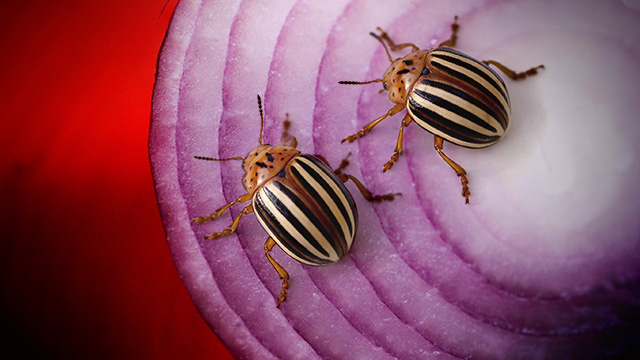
[(265, 162), (402, 74)]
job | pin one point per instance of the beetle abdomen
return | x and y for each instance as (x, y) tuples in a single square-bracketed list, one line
[(460, 99), (308, 212)]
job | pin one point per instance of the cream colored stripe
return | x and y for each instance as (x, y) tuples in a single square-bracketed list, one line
[(304, 220), (444, 135), (338, 192), (274, 236), (462, 121), (476, 65), (475, 77), (325, 197)]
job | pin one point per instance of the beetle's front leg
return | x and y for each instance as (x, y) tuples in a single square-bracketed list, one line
[(220, 211), (234, 226), (394, 110), (392, 46), (398, 150), (451, 42), (284, 275), (438, 143), (512, 74), (293, 142)]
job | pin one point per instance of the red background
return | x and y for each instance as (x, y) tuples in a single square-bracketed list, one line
[(85, 271)]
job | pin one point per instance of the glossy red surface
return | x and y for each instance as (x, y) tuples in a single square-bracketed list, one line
[(84, 266)]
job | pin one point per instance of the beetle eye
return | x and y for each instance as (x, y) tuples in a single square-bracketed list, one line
[(384, 85)]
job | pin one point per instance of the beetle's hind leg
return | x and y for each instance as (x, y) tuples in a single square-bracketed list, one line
[(438, 143), (512, 74), (284, 275), (363, 190), (451, 42)]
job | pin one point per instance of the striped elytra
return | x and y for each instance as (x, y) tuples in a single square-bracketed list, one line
[(301, 203), (308, 212), (460, 100), (448, 93)]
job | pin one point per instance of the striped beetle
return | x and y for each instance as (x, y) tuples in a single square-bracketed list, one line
[(447, 93), (300, 202)]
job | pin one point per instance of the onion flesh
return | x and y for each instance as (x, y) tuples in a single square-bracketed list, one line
[(544, 262)]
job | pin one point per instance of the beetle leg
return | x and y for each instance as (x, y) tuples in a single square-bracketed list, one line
[(392, 46), (343, 164), (234, 226), (285, 128), (284, 275), (364, 191), (220, 211), (394, 110), (438, 143), (323, 160), (398, 150), (451, 42), (285, 132), (512, 74)]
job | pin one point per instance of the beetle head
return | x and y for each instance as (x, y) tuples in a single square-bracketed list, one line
[(402, 74), (265, 162)]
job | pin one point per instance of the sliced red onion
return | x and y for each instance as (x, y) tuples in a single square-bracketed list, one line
[(544, 262)]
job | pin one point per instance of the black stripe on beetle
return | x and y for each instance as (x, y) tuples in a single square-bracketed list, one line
[(444, 125), (295, 220), (473, 64), (333, 188), (474, 84), (341, 244), (323, 241), (335, 196), (464, 104), (288, 229), (454, 109)]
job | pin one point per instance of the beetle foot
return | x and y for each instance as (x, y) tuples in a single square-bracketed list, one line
[(204, 219), (283, 293), (391, 161), (217, 235), (465, 188), (354, 137), (530, 72), (385, 197)]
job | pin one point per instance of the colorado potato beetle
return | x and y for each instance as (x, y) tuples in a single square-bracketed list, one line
[(301, 203), (447, 93)]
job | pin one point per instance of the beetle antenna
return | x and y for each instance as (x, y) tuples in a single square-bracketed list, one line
[(379, 38), (359, 82), (213, 159), (261, 119)]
